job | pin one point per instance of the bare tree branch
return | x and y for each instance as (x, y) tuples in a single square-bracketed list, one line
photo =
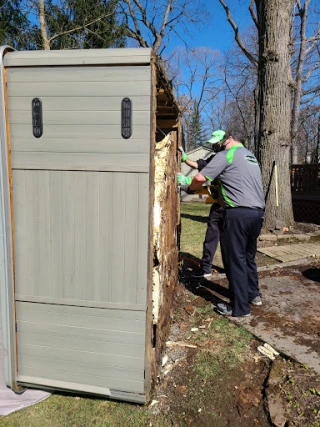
[(312, 98), (154, 21), (80, 27), (163, 27), (137, 33), (237, 35), (253, 14), (237, 100), (313, 90)]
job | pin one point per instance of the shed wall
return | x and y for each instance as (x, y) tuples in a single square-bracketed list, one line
[(80, 201)]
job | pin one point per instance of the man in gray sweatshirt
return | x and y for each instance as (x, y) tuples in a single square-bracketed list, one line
[(242, 196)]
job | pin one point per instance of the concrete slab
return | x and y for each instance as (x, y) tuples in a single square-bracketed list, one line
[(291, 252), (289, 319)]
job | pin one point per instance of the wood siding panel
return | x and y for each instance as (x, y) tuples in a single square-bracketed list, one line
[(74, 335), (131, 228), (85, 357), (80, 236), (63, 379), (87, 118), (20, 228), (89, 346), (80, 118), (78, 57), (38, 359), (143, 239), (81, 131), (44, 235), (80, 161), (80, 145), (83, 89), (79, 74), (118, 237), (98, 103), (56, 241)]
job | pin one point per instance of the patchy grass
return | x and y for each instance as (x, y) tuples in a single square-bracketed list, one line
[(67, 411), (193, 224), (227, 347)]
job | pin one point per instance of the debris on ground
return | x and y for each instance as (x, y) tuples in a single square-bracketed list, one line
[(221, 372)]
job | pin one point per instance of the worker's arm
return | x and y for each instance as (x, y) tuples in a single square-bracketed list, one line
[(185, 159), (189, 184), (197, 181), (192, 163)]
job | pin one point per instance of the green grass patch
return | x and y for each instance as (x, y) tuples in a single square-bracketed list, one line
[(66, 411), (193, 225), (230, 344)]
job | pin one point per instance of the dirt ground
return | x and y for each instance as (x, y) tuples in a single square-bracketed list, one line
[(296, 228), (213, 374)]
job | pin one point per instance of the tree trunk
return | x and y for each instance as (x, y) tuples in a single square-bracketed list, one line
[(256, 119), (318, 142), (303, 12), (274, 77), (43, 27)]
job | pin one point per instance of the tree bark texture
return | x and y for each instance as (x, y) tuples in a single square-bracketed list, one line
[(43, 26), (274, 78)]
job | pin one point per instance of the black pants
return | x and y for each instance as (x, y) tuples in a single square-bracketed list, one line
[(239, 235), (212, 238)]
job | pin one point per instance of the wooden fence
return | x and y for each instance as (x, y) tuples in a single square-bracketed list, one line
[(305, 190), (305, 178)]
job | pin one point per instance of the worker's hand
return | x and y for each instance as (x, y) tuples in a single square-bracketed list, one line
[(186, 188), (184, 155), (183, 180)]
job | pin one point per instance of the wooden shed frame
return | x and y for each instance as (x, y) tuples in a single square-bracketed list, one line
[(164, 215)]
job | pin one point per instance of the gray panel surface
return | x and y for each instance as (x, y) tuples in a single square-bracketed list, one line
[(79, 74), (88, 131), (80, 145), (80, 89), (81, 236), (78, 57), (80, 197), (79, 118), (80, 161), (98, 347), (79, 103)]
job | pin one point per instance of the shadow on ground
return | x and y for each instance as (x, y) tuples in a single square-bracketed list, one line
[(207, 289), (197, 218), (312, 274)]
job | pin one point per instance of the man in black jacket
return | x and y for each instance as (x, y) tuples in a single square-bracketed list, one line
[(215, 219)]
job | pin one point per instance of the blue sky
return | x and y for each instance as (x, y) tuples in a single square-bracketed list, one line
[(218, 34)]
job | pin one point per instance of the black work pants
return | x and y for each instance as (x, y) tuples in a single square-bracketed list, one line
[(212, 237), (239, 235)]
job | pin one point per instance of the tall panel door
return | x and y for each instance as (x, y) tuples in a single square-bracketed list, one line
[(80, 198)]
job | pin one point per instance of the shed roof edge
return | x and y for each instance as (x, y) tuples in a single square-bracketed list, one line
[(122, 56)]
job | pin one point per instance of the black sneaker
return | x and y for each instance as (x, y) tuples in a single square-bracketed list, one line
[(256, 301), (226, 310), (201, 275)]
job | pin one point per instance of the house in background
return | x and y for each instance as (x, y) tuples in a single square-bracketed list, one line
[(195, 154)]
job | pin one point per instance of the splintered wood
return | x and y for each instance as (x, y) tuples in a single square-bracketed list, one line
[(165, 236)]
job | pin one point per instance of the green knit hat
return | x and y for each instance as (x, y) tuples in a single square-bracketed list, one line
[(217, 136)]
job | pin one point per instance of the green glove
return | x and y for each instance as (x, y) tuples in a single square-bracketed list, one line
[(184, 180), (184, 155)]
